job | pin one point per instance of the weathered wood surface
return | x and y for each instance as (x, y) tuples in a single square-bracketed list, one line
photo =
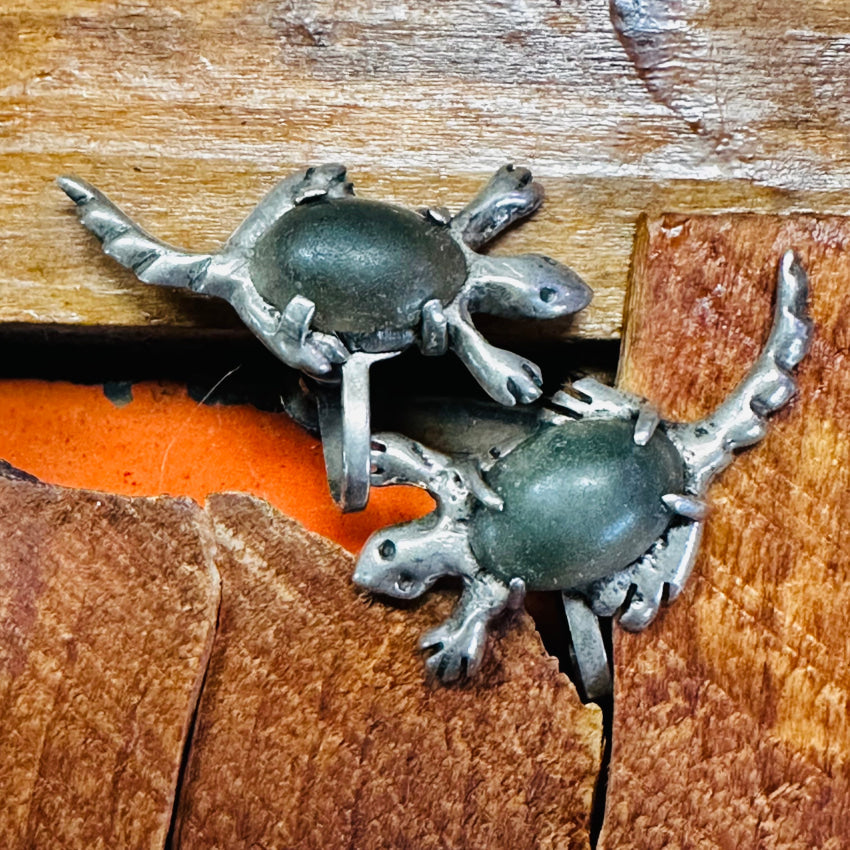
[(107, 612), (317, 728), (188, 114), (731, 711)]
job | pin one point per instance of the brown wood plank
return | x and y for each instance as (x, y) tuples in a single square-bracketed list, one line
[(317, 728), (731, 711), (188, 115), (107, 612)]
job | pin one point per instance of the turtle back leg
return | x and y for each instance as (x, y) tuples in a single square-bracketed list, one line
[(709, 445), (287, 334), (224, 275), (321, 181)]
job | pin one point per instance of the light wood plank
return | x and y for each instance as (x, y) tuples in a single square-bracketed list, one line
[(187, 115)]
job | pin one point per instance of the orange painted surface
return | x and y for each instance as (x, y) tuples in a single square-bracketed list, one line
[(165, 442)]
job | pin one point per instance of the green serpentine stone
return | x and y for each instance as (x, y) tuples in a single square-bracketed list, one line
[(366, 265), (582, 501)]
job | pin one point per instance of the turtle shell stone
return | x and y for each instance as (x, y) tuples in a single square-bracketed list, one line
[(581, 501), (366, 265)]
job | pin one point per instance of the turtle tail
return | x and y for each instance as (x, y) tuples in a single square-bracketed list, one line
[(708, 445), (152, 260)]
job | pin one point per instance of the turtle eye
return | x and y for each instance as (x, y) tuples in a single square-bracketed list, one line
[(547, 294), (387, 550)]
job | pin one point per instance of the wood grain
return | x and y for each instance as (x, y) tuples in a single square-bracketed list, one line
[(107, 612), (317, 727), (731, 724), (188, 114)]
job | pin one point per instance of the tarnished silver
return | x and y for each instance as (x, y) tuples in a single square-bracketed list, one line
[(274, 272), (474, 491), (343, 411), (587, 648)]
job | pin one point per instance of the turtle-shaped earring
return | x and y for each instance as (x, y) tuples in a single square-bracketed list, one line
[(599, 498), (332, 283)]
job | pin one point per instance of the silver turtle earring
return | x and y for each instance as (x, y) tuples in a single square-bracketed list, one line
[(332, 283), (598, 498)]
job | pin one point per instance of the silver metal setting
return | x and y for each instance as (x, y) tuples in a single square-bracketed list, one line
[(531, 286), (404, 561)]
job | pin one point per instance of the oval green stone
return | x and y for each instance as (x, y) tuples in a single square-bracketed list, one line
[(582, 501), (366, 265)]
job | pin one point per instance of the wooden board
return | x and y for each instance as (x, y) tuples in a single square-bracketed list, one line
[(187, 116), (317, 727), (731, 723), (107, 613), (316, 724)]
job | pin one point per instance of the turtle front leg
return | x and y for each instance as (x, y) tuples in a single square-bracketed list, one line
[(459, 643), (509, 196), (506, 377), (531, 286)]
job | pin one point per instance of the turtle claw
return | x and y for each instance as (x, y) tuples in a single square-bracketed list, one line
[(314, 352), (509, 178), (459, 650), (309, 356), (321, 352), (330, 346), (324, 175), (511, 379), (528, 386), (322, 180)]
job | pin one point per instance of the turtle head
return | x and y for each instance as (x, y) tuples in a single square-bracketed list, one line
[(402, 561), (528, 286)]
